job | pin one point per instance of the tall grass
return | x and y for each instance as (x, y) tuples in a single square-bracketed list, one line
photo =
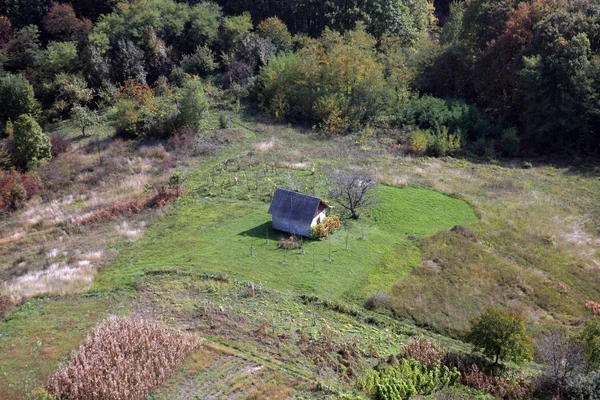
[(124, 359)]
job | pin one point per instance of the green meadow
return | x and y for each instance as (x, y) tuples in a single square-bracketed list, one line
[(225, 236)]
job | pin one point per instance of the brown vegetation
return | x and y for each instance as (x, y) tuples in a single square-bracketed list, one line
[(124, 359)]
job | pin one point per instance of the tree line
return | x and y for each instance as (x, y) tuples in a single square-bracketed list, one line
[(489, 78)]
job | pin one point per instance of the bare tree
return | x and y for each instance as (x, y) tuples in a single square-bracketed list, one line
[(563, 358), (353, 190)]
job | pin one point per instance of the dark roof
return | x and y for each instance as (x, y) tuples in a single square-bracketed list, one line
[(294, 206)]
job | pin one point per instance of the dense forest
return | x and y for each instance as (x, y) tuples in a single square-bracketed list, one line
[(482, 77)]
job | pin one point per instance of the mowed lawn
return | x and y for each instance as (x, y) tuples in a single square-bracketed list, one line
[(233, 237)]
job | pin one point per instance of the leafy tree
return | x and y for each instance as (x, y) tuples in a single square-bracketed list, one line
[(62, 24), (16, 97), (83, 118), (201, 62), (23, 50), (68, 90), (336, 82), (128, 62), (22, 13), (354, 191), (32, 146), (6, 31), (60, 57), (193, 104), (232, 29), (275, 30), (500, 335)]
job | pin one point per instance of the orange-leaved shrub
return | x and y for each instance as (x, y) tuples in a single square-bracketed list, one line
[(595, 307), (325, 228), (497, 386), (125, 358)]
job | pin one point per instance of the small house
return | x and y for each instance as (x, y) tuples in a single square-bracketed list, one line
[(296, 213)]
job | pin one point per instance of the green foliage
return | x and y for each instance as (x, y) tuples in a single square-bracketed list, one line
[(273, 28), (407, 379), (16, 96), (60, 57), (583, 386), (500, 335), (443, 143), (433, 113), (24, 49), (84, 118), (127, 117), (31, 144), (589, 338), (335, 82), (201, 62), (193, 104)]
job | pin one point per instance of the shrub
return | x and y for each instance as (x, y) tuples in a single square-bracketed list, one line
[(239, 72), (378, 300), (433, 113), (407, 379), (32, 146), (126, 118), (325, 228), (193, 104), (290, 243), (423, 351), (123, 359), (495, 385), (584, 387), (443, 143), (419, 141), (58, 144)]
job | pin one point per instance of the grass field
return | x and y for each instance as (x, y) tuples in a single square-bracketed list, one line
[(218, 235), (531, 244)]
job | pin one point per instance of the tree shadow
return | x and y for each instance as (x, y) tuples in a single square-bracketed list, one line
[(263, 231)]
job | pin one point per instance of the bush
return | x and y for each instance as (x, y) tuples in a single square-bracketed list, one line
[(407, 379), (290, 243), (123, 359), (433, 113), (58, 144), (32, 146), (443, 143), (583, 387), (378, 300), (193, 104), (423, 351), (495, 385), (419, 141), (325, 228)]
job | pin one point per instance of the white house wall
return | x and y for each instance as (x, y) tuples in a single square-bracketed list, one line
[(322, 215)]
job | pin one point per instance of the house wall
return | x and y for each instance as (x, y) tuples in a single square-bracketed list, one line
[(322, 215), (287, 225)]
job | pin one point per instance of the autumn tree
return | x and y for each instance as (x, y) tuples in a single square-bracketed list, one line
[(501, 336), (62, 24), (354, 191)]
